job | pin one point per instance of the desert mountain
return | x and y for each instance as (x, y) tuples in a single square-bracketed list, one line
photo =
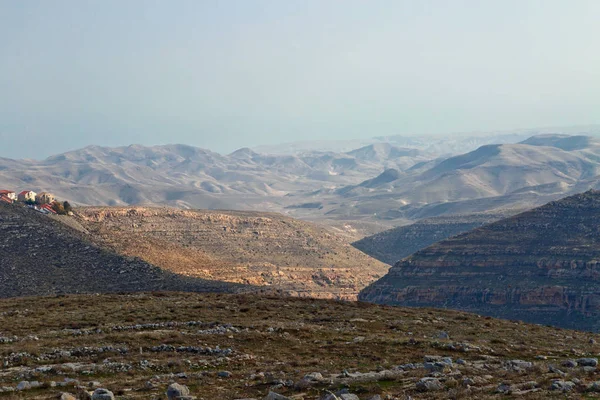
[(41, 256), (192, 177), (387, 183), (540, 266), (262, 249), (492, 178)]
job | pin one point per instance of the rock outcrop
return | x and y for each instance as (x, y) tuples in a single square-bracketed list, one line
[(541, 266)]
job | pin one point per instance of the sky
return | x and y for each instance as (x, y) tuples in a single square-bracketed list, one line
[(233, 73)]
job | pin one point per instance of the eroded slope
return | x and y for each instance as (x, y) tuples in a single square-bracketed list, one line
[(541, 266), (264, 249)]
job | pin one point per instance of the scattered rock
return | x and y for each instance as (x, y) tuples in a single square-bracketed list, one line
[(24, 385), (275, 396), (103, 394), (519, 364), (569, 363), (224, 374), (505, 388), (594, 387), (314, 376), (429, 385), (563, 386), (67, 396), (175, 391), (588, 362), (443, 335)]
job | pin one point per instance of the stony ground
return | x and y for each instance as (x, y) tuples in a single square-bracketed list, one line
[(245, 346)]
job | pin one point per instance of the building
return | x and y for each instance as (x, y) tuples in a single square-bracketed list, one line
[(9, 194), (26, 195), (45, 198), (46, 209), (5, 199)]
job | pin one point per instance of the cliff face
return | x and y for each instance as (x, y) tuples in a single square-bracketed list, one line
[(261, 249), (542, 266)]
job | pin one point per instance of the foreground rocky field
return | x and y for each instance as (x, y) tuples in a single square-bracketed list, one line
[(234, 346)]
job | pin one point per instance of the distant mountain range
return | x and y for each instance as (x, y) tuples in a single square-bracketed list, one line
[(388, 182), (492, 178)]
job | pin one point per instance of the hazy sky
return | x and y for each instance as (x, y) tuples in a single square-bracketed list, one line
[(227, 74)]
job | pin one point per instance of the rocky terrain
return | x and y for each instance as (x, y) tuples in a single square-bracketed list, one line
[(39, 256), (261, 249), (539, 266), (392, 245), (207, 346)]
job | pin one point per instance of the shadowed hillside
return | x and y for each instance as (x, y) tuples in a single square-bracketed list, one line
[(541, 266), (40, 256), (395, 244)]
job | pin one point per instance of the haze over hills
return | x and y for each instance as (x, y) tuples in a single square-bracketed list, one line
[(492, 178), (361, 191), (539, 266)]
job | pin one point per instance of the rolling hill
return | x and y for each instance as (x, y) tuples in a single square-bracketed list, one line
[(42, 256), (256, 248)]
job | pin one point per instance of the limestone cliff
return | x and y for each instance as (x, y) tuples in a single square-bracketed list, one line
[(541, 266)]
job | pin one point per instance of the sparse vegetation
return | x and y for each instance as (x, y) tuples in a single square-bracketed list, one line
[(273, 340)]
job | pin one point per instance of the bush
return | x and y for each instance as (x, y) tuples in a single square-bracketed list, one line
[(59, 208)]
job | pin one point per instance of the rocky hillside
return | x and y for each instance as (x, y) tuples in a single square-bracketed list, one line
[(392, 245), (540, 266), (221, 346), (263, 249), (39, 256)]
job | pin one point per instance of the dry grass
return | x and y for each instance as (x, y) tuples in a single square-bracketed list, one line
[(283, 338)]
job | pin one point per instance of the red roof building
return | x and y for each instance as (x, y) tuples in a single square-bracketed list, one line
[(5, 199), (8, 193)]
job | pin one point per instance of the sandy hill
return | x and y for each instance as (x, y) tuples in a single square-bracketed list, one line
[(540, 266), (264, 249), (39, 255)]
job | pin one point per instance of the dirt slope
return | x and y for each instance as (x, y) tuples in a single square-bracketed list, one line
[(264, 249)]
